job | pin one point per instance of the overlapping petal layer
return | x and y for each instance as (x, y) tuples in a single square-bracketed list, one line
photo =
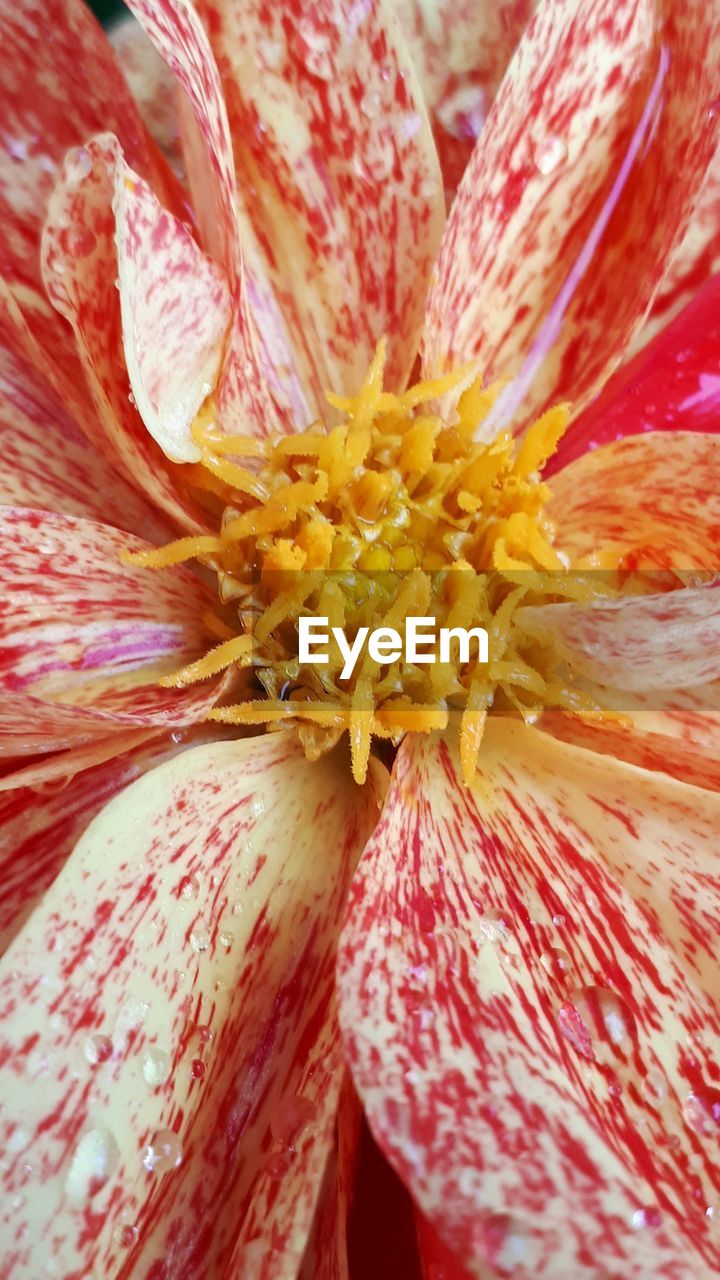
[(615, 102), (83, 639), (671, 385), (172, 996), (529, 1003)]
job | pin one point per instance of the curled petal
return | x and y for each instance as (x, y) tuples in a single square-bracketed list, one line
[(653, 499), (528, 996), (671, 385), (172, 997), (151, 84), (84, 639), (562, 232)]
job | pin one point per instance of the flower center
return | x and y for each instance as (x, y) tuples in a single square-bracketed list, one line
[(396, 513)]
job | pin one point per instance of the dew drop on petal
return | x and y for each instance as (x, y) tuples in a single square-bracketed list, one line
[(164, 1152), (226, 938), (199, 941), (650, 1217), (156, 1067), (205, 1034), (98, 1049), (125, 1235), (702, 1111), (189, 887), (197, 1068), (549, 154), (78, 164), (94, 1160), (556, 963), (596, 1015), (290, 1118)]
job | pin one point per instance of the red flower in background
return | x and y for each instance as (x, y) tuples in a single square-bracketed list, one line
[(527, 988)]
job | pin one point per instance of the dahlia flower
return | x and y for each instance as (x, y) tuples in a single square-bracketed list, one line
[(321, 316)]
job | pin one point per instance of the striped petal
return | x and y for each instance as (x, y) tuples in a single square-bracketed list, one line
[(666, 641), (172, 997), (49, 463), (81, 265), (528, 998), (671, 385), (461, 49), (84, 639), (651, 500), (561, 233), (60, 83), (339, 176), (151, 84)]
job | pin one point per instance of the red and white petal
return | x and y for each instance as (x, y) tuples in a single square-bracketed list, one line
[(695, 260), (339, 176), (175, 1022), (326, 1251), (175, 310), (461, 49), (60, 83), (671, 385), (528, 996), (152, 86), (653, 499), (562, 232), (663, 641), (49, 463), (81, 268), (84, 639), (177, 33)]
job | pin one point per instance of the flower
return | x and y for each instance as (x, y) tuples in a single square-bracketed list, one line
[(526, 981)]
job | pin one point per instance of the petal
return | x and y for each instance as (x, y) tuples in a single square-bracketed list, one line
[(666, 641), (671, 385), (151, 84), (695, 260), (56, 92), (194, 931), (654, 498), (80, 267), (528, 999), (175, 311), (326, 1252), (43, 816), (339, 175), (48, 463), (177, 33), (561, 234), (84, 639), (461, 49)]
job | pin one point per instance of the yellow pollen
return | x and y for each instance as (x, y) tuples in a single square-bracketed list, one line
[(396, 512)]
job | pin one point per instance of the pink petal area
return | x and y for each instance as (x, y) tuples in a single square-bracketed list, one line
[(671, 385), (528, 999), (48, 463), (664, 642), (84, 639), (80, 267), (561, 232), (151, 84), (177, 33), (61, 83), (338, 174), (678, 733), (326, 1252), (654, 499), (695, 260), (194, 931), (175, 311), (461, 49)]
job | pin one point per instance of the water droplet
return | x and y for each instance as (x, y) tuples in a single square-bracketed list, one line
[(556, 963), (650, 1217), (156, 1067), (81, 242), (371, 103), (78, 164), (702, 1111), (559, 921), (462, 113), (596, 1015), (125, 1235), (164, 1152), (493, 927), (197, 1068), (200, 941), (98, 1049), (95, 1159), (226, 938), (654, 1088), (549, 154), (205, 1034), (291, 1116), (189, 887)]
